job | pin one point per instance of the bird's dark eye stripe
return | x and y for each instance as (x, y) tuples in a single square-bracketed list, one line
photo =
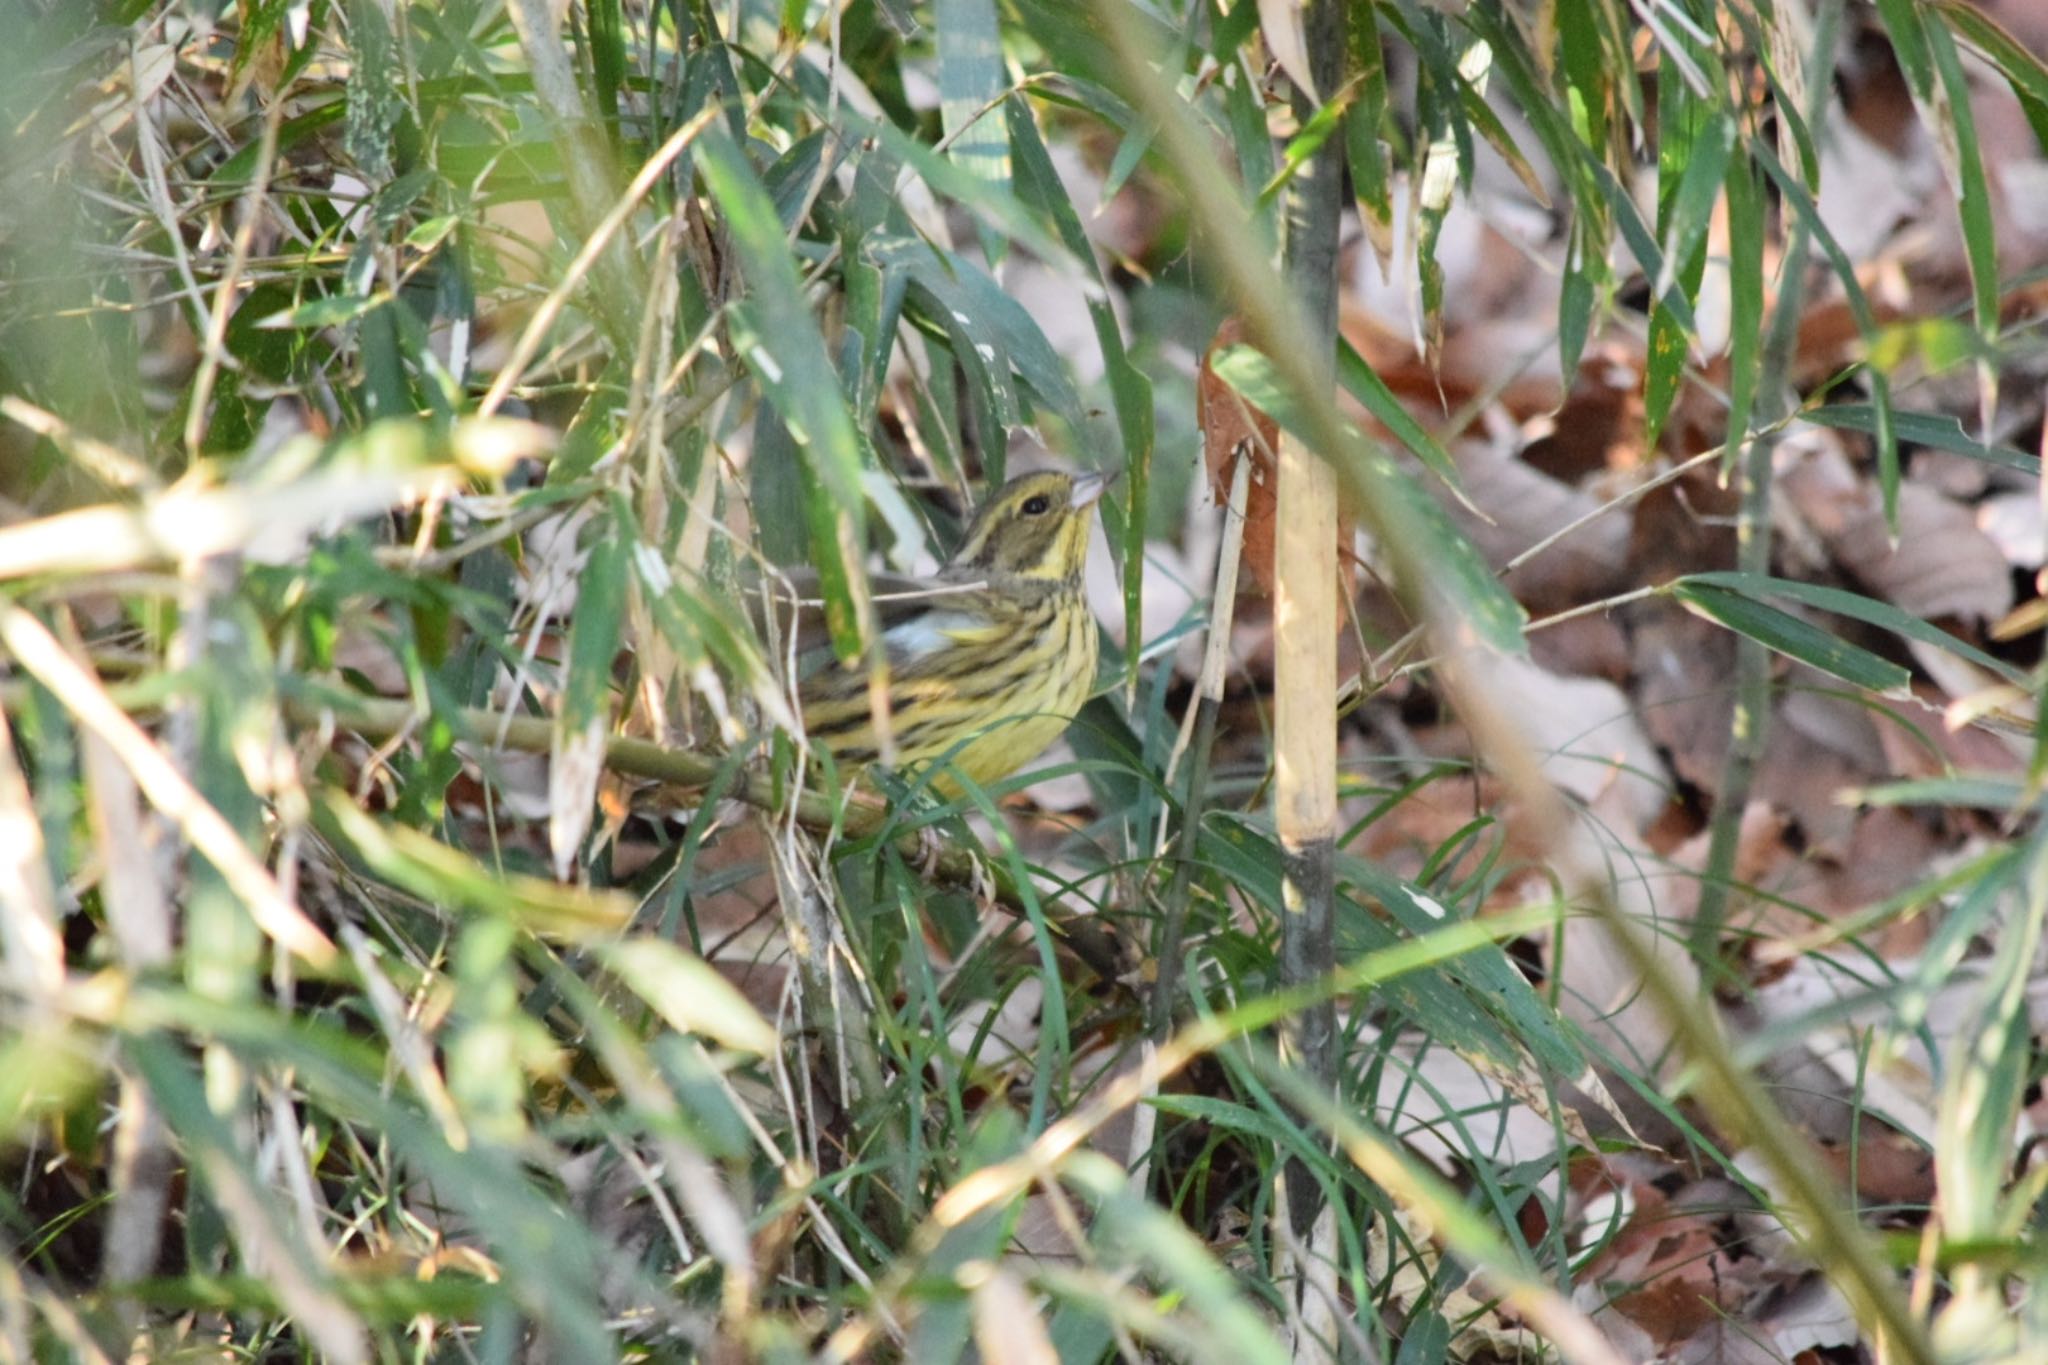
[(1037, 505)]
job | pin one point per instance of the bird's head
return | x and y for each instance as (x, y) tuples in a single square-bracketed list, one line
[(1035, 527)]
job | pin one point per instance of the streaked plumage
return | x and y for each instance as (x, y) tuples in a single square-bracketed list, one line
[(997, 650)]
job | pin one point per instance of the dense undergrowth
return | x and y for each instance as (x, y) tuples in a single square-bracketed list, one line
[(424, 938)]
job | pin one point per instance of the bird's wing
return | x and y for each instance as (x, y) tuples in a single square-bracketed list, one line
[(918, 617), (937, 627)]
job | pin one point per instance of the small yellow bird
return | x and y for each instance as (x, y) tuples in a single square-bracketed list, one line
[(989, 660)]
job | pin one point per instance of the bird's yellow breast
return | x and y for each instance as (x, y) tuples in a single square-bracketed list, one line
[(993, 699)]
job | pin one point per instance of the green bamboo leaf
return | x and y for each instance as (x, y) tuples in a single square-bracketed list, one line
[(1937, 431), (1882, 427), (1799, 198), (1641, 242), (1934, 343), (1443, 55), (1909, 44), (1857, 607), (1244, 849), (1130, 154), (1972, 791), (985, 198), (1363, 383), (2025, 72), (1745, 301), (971, 83), (775, 490), (1565, 126), (1885, 439), (1364, 152), (1448, 158), (1228, 30), (1770, 41), (998, 335), (1585, 277), (783, 344), (1321, 125), (1792, 637), (1967, 164), (1591, 66), (1701, 167), (874, 296), (1523, 1025), (1472, 73), (1251, 142), (329, 310), (1692, 166), (773, 330)]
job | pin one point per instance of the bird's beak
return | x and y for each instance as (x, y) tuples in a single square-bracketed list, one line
[(1087, 488)]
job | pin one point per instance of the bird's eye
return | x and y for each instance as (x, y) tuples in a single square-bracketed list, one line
[(1037, 505)]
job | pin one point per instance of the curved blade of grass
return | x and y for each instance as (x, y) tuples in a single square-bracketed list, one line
[(1450, 1216)]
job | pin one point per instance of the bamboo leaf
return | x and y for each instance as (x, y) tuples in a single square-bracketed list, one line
[(774, 331), (1857, 607), (1938, 431), (1745, 301), (1363, 383), (2022, 69), (1792, 637), (971, 85), (1964, 160)]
